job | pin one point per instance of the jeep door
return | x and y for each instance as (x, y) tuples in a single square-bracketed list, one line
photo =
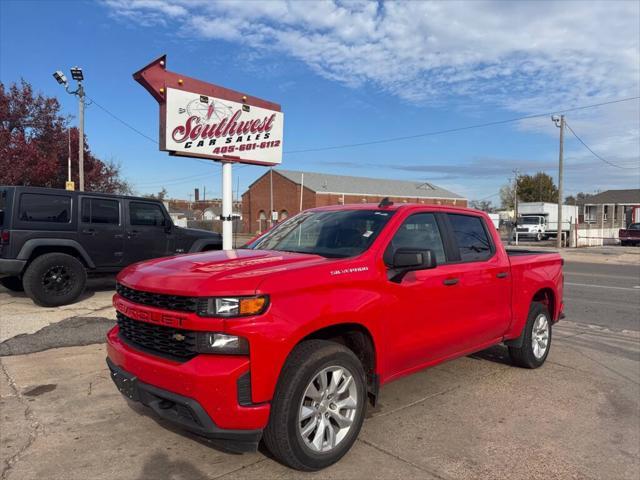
[(101, 230), (149, 232)]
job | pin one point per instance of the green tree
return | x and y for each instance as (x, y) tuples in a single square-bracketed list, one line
[(537, 188), (161, 195), (484, 205)]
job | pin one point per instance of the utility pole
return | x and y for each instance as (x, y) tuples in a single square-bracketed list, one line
[(515, 203), (559, 122)]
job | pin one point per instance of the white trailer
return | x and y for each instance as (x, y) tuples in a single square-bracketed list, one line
[(539, 220)]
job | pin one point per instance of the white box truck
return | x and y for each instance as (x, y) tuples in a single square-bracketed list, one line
[(539, 220)]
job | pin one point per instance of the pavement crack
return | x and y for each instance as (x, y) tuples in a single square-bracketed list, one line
[(36, 428), (231, 472), (402, 459)]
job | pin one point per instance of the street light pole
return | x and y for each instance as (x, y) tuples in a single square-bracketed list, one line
[(78, 76), (80, 94)]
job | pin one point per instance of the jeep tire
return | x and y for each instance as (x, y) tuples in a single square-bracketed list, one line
[(54, 279)]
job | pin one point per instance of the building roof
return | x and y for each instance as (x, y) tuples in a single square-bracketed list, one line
[(343, 184), (631, 196)]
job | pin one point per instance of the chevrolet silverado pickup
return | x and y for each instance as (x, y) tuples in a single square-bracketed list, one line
[(288, 339)]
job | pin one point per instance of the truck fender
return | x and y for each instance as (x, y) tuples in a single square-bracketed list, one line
[(200, 244), (30, 245)]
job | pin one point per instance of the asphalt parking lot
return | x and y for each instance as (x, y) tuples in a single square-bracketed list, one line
[(475, 417)]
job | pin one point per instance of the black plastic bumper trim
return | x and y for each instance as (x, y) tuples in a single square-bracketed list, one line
[(182, 411)]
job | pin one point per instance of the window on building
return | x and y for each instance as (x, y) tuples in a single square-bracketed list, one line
[(36, 207), (473, 242), (98, 210), (146, 214)]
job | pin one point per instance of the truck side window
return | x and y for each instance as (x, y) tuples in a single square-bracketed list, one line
[(473, 242), (419, 231), (98, 210), (146, 214), (45, 208)]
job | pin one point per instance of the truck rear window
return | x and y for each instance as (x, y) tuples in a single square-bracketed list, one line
[(333, 234), (36, 207), (471, 236)]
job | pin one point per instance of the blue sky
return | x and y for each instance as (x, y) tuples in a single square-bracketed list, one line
[(350, 72)]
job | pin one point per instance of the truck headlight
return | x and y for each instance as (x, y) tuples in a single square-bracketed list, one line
[(209, 342), (232, 306)]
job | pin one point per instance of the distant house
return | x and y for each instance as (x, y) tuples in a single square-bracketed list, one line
[(287, 192), (613, 208)]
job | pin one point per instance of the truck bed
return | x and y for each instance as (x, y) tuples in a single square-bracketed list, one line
[(513, 252)]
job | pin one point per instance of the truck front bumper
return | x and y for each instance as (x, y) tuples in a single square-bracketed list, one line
[(200, 395)]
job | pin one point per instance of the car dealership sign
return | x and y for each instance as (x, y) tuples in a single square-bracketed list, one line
[(199, 119), (208, 125)]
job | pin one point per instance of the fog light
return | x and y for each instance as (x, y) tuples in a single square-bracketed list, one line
[(209, 342)]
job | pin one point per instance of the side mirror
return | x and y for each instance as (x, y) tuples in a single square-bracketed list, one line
[(409, 259)]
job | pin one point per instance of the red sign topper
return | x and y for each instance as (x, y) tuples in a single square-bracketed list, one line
[(199, 119)]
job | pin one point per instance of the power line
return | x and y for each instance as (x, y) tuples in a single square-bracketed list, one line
[(457, 129), (128, 125), (595, 154)]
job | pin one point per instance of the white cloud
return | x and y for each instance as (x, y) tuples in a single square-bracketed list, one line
[(522, 56)]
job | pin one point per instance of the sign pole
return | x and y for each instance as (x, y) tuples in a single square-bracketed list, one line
[(227, 203)]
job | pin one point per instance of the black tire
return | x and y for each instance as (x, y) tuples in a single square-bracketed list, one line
[(524, 356), (624, 243), (539, 237), (282, 436), (54, 279), (12, 283)]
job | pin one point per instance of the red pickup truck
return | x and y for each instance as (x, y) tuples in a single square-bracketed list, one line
[(630, 235), (288, 338)]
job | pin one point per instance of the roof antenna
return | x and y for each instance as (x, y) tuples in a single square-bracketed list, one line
[(385, 203)]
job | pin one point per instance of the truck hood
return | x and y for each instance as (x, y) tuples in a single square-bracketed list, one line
[(233, 272)]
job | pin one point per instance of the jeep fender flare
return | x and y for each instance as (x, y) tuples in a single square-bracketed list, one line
[(201, 243), (30, 245)]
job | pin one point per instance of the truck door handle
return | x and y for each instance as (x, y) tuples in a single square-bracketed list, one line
[(502, 275), (451, 281), (89, 231)]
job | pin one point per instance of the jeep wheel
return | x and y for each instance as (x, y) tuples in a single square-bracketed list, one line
[(12, 283), (536, 340), (54, 279), (318, 407)]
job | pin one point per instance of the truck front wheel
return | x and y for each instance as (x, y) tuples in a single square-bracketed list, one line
[(318, 407), (536, 338)]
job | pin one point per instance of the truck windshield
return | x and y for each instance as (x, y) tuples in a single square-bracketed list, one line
[(332, 234), (530, 220)]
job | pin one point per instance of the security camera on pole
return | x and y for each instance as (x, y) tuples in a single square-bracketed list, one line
[(78, 76), (202, 120)]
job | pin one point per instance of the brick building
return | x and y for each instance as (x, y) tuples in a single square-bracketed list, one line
[(291, 189)]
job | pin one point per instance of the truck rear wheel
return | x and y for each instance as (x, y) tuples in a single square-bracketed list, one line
[(54, 279), (536, 340), (318, 407), (12, 283)]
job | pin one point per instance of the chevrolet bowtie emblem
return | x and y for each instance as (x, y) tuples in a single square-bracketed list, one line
[(178, 336)]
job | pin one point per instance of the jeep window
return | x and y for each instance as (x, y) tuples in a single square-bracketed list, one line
[(473, 242), (99, 210), (334, 234), (147, 214), (36, 207)]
